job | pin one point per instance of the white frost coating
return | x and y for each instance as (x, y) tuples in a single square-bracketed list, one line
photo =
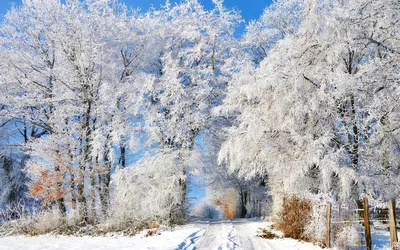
[(147, 192), (93, 83), (151, 190), (310, 102), (318, 115)]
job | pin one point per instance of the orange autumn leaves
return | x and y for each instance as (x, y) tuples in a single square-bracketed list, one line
[(47, 187)]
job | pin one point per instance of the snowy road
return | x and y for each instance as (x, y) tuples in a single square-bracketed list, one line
[(237, 234), (241, 234), (219, 235)]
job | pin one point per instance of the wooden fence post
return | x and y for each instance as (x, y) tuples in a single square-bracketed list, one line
[(392, 219), (368, 240), (328, 225)]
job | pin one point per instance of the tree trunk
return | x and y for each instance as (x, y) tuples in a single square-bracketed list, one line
[(243, 202), (355, 144), (178, 215), (122, 160)]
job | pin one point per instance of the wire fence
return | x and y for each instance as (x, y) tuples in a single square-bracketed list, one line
[(346, 222)]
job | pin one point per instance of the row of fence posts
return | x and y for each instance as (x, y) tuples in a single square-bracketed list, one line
[(367, 228)]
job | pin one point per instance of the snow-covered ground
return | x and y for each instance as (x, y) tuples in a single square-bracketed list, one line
[(238, 234), (222, 234)]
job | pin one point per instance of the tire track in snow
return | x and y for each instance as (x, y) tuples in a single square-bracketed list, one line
[(220, 235), (190, 241), (247, 235), (237, 234)]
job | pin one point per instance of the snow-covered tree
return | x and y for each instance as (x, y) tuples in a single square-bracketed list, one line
[(186, 78), (60, 63), (110, 110), (280, 19), (88, 77), (304, 119)]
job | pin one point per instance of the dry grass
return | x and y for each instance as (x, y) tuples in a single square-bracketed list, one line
[(152, 225), (35, 223), (151, 232), (265, 234)]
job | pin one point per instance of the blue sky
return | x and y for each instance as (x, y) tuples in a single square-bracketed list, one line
[(250, 9)]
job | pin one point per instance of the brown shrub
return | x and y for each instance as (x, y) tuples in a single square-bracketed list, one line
[(229, 208), (294, 217), (228, 204)]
